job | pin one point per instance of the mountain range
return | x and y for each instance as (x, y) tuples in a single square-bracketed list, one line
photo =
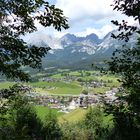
[(71, 51)]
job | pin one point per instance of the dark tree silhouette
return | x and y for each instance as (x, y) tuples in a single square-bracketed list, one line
[(131, 8), (126, 63), (18, 18)]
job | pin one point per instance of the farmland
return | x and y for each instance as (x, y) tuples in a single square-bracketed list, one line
[(73, 116), (57, 87), (74, 82), (66, 82), (42, 112), (63, 83)]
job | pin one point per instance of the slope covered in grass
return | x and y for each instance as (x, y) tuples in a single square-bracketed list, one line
[(73, 116)]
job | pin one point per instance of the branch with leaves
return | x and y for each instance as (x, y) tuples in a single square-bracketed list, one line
[(18, 18)]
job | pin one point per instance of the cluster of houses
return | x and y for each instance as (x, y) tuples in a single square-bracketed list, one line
[(69, 78), (49, 79), (94, 84), (71, 102)]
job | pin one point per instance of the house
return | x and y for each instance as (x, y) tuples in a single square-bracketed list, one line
[(72, 105)]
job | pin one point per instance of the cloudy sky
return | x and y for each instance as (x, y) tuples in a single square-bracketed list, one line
[(86, 16)]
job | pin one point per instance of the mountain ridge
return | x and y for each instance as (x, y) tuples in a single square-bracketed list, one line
[(72, 51)]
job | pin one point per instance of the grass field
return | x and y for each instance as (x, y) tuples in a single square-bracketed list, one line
[(59, 87), (73, 116), (42, 111), (99, 90), (57, 76), (5, 85), (73, 87)]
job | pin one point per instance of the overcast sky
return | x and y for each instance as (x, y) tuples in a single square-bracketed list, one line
[(86, 16)]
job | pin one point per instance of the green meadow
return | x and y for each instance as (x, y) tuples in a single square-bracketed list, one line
[(74, 87), (73, 116), (58, 87), (69, 82), (5, 85), (42, 112)]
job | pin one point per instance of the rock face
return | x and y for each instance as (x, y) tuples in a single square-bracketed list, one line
[(71, 51)]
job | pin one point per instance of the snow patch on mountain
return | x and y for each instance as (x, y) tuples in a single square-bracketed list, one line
[(70, 49), (41, 39)]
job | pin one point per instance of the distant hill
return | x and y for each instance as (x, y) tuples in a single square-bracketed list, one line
[(72, 52)]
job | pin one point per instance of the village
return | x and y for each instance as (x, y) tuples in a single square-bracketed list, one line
[(67, 103), (90, 88)]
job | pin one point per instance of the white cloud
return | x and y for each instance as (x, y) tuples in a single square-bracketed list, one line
[(59, 34), (86, 17), (131, 21), (83, 10), (100, 32)]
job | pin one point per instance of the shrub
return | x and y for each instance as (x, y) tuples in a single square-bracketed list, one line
[(51, 127)]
